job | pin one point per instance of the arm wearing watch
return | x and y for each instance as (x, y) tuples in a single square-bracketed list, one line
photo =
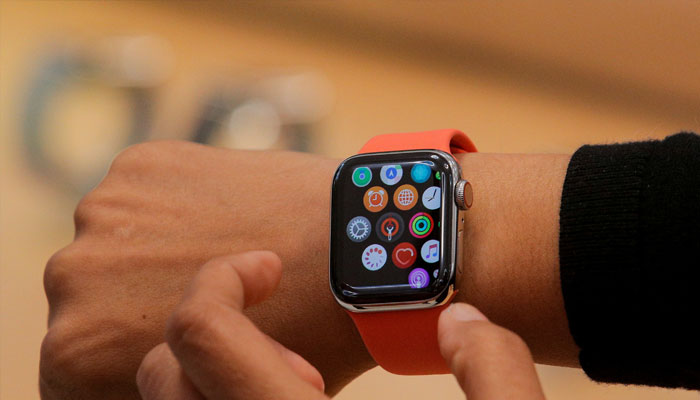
[(395, 302), (181, 214), (630, 232)]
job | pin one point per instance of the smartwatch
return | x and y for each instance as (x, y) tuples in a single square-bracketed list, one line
[(395, 246)]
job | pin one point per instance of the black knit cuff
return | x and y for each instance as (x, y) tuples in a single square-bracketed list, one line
[(629, 303)]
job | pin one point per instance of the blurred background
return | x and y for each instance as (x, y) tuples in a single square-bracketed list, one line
[(81, 80)]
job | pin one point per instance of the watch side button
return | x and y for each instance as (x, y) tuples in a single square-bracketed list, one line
[(460, 238)]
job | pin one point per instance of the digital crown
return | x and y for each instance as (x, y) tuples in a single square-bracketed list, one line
[(464, 196)]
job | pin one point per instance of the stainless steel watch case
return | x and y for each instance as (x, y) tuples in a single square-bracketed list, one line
[(454, 259)]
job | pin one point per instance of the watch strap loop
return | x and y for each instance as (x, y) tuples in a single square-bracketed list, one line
[(448, 140)]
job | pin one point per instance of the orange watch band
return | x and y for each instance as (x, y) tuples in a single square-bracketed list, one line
[(405, 342), (448, 140)]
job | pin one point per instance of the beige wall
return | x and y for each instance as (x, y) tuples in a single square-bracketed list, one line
[(393, 67)]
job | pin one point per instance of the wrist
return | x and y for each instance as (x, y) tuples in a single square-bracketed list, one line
[(307, 319), (511, 265)]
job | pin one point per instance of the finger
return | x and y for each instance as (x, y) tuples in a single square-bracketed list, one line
[(220, 349), (488, 361), (160, 377), (259, 273), (301, 367)]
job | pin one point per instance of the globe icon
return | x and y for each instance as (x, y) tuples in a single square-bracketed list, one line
[(405, 197)]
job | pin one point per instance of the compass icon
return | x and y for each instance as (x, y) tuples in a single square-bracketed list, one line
[(358, 229)]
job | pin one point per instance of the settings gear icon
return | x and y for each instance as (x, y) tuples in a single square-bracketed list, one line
[(358, 229)]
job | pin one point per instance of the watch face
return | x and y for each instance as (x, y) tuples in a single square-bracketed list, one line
[(393, 223)]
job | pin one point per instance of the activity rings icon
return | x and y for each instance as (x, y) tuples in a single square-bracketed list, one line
[(421, 225)]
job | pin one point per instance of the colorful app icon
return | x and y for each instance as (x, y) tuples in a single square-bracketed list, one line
[(420, 173), (374, 257), (438, 176), (375, 199), (421, 225), (430, 252), (390, 227), (405, 197), (404, 255), (361, 176), (358, 229), (418, 278), (391, 174), (432, 198), (435, 273)]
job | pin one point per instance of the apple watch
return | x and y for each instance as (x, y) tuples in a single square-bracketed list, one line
[(395, 245)]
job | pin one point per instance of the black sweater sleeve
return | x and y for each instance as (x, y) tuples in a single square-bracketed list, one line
[(629, 250)]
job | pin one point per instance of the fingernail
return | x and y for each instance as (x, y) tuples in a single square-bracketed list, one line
[(464, 312)]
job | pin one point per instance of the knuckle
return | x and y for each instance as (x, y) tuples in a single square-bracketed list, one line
[(135, 152), (138, 154), (84, 353), (85, 211), (59, 368), (131, 159), (188, 326), (58, 273)]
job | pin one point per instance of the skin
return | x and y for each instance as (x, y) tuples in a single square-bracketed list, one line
[(200, 361), (165, 208)]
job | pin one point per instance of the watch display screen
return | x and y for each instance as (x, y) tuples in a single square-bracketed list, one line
[(388, 227)]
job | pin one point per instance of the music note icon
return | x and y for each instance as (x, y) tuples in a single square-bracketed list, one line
[(430, 252), (433, 250)]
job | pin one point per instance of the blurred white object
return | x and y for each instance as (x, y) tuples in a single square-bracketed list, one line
[(300, 97), (253, 125), (143, 61)]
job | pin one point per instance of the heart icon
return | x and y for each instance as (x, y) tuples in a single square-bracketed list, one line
[(404, 255)]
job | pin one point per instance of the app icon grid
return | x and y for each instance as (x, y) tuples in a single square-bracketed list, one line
[(421, 224)]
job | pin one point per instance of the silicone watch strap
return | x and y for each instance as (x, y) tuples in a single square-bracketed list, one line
[(448, 140), (405, 342)]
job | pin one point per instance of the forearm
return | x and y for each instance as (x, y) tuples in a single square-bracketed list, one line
[(511, 263)]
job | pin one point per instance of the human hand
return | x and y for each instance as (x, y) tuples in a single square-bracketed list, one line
[(213, 351), (164, 209)]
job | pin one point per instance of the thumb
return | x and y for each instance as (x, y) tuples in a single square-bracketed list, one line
[(489, 362)]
